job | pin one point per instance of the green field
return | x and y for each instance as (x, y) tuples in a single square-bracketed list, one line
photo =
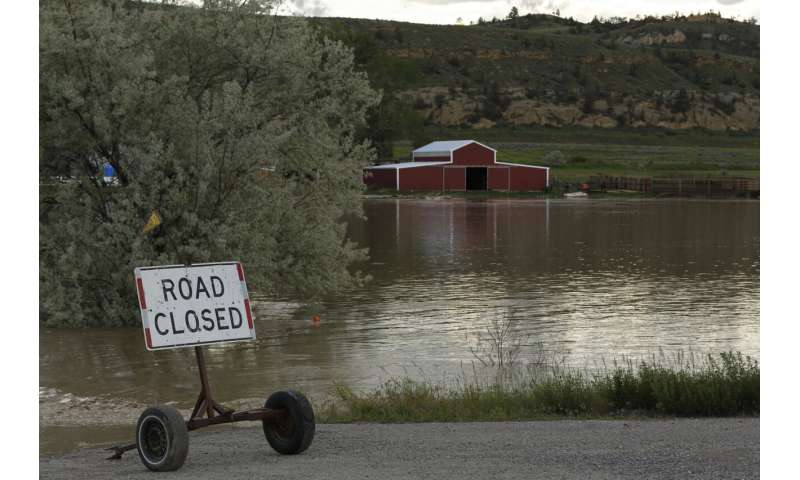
[(589, 152)]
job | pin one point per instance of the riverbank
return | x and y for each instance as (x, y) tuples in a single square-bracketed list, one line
[(723, 385), (598, 187), (683, 448), (551, 194), (727, 384)]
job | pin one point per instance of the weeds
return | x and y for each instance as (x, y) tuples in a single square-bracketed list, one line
[(499, 346), (723, 385)]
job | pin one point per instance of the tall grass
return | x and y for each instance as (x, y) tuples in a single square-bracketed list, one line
[(727, 384)]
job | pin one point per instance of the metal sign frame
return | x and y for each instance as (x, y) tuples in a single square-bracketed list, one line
[(206, 411)]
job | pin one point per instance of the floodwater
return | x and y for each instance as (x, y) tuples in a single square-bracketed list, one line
[(590, 279)]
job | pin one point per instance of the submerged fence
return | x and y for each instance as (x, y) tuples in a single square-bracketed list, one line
[(704, 186)]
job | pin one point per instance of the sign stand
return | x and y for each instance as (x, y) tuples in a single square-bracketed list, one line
[(207, 411), (205, 402), (161, 432)]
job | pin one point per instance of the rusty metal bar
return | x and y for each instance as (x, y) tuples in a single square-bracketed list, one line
[(205, 389), (119, 450), (256, 414), (205, 402)]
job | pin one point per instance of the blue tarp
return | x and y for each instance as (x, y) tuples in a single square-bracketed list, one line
[(108, 170)]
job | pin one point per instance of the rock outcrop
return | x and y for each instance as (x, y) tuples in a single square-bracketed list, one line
[(676, 37), (673, 109)]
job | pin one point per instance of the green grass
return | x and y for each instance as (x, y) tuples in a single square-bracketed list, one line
[(599, 136), (646, 154), (723, 385)]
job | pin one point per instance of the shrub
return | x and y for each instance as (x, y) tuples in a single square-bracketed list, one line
[(554, 157), (421, 104), (725, 107), (680, 103)]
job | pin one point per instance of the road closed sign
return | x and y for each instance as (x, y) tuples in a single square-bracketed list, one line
[(191, 305)]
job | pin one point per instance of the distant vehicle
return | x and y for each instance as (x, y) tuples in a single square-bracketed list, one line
[(576, 195)]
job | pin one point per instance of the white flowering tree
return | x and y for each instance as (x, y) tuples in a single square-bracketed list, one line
[(235, 125)]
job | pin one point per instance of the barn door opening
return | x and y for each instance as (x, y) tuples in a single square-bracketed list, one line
[(476, 178)]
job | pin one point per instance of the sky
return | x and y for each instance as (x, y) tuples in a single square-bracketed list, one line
[(449, 11)]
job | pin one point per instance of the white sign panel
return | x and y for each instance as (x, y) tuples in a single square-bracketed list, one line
[(190, 305)]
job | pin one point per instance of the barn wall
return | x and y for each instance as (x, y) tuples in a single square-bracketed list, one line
[(498, 178), (380, 178), (473, 154), (525, 179), (422, 158), (421, 178), (455, 178)]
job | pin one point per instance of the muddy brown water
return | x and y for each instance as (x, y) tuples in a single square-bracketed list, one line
[(593, 280)]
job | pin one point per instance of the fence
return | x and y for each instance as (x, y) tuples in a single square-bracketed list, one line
[(682, 187)]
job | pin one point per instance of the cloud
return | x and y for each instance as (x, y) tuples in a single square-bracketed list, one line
[(528, 5), (541, 6), (448, 2), (525, 6), (311, 8)]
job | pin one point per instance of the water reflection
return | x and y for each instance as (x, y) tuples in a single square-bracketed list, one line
[(592, 279)]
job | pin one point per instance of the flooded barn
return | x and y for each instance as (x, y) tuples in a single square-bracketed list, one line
[(456, 165)]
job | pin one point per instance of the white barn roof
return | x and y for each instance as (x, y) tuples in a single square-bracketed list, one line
[(445, 147), (405, 165)]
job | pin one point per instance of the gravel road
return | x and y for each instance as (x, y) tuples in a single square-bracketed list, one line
[(675, 448)]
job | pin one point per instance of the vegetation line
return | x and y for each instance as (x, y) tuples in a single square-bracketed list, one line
[(727, 384)]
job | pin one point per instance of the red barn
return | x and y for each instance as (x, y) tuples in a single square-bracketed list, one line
[(457, 165)]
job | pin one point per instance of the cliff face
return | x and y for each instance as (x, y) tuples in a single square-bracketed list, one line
[(672, 109), (699, 71)]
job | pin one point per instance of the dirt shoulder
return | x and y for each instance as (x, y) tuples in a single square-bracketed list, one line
[(674, 448)]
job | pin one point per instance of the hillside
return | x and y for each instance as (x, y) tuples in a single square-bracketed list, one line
[(695, 72)]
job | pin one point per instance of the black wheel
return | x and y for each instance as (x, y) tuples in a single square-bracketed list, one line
[(162, 438), (294, 432)]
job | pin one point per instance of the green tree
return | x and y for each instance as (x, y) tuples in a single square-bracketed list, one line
[(681, 102), (236, 125), (514, 13), (394, 118)]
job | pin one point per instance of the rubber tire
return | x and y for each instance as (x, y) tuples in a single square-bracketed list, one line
[(177, 436), (303, 423)]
